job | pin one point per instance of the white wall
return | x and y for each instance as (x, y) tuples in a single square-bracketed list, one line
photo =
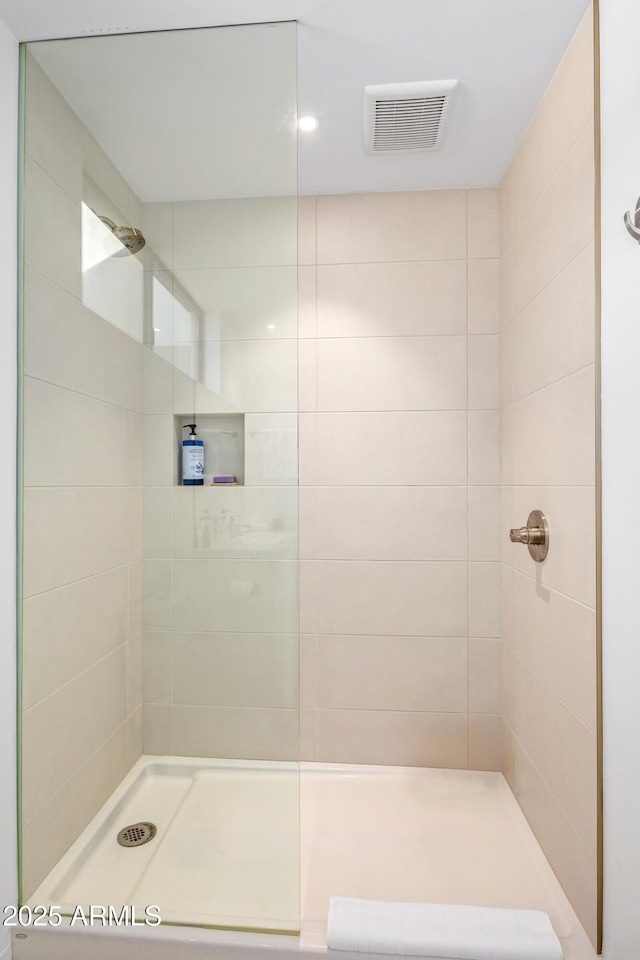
[(620, 80), (8, 167)]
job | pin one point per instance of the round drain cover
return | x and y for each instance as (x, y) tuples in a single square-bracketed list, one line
[(136, 834)]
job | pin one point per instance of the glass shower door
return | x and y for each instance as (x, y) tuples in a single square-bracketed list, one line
[(161, 293)]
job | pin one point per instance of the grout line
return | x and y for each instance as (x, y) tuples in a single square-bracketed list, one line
[(547, 586), (551, 383), (551, 689), (121, 646), (49, 176), (554, 797), (82, 393), (91, 576), (542, 289), (326, 709), (555, 172), (77, 770)]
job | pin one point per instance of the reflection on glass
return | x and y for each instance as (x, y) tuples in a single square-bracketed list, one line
[(169, 613)]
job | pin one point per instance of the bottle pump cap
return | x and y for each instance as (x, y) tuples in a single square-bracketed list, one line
[(193, 428)]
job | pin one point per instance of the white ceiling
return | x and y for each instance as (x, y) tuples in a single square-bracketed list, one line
[(187, 114), (503, 52)]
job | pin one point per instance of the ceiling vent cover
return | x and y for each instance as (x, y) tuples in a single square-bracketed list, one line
[(407, 117)]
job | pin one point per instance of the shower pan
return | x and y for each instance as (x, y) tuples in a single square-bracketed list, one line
[(242, 697)]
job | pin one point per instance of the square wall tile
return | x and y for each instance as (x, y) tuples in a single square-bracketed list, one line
[(386, 736), (385, 599), (71, 809), (157, 521), (386, 448), (485, 742), (308, 573), (157, 666), (67, 629), (563, 114), (160, 452), (236, 670), (556, 637), (251, 734), (484, 372), (392, 523), (55, 744), (484, 599), (425, 674), (572, 861), (485, 675), (54, 318), (53, 133), (306, 375), (308, 671), (558, 326), (393, 373), (564, 751), (241, 303), (484, 446), (308, 520), (52, 230), (57, 548), (367, 227), (422, 298), (559, 227), (483, 212), (564, 414), (307, 299), (134, 674), (54, 420), (484, 527), (256, 376), (157, 594), (135, 736), (235, 596), (570, 566), (271, 448), (483, 298), (309, 735), (157, 729), (306, 230)]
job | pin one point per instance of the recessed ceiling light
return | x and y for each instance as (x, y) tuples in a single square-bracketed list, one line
[(271, 326), (308, 123)]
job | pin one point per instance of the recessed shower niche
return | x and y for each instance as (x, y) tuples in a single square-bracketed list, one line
[(222, 436)]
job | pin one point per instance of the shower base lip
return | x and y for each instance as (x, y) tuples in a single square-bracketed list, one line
[(363, 833)]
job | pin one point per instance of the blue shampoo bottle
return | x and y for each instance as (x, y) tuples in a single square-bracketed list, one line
[(192, 459)]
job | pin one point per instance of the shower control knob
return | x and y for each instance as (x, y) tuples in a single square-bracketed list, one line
[(535, 535)]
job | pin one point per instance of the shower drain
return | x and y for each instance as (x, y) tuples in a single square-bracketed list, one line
[(136, 834)]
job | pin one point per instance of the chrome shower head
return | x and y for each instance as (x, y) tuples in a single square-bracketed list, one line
[(131, 239)]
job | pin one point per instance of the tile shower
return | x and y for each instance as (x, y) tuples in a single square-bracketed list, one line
[(414, 311)]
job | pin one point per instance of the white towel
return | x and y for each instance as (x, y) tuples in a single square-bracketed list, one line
[(442, 931)]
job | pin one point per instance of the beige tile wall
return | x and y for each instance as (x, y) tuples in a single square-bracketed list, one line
[(220, 619), (399, 472), (548, 451), (82, 659)]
